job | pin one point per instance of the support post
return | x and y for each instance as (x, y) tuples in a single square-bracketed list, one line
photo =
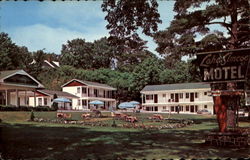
[(17, 98), (34, 98), (6, 97), (25, 97)]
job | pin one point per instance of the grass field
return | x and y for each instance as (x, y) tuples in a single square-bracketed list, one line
[(20, 139)]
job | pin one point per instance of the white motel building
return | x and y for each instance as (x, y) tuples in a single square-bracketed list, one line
[(89, 91), (188, 97)]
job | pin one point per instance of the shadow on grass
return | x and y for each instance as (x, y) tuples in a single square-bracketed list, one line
[(29, 142)]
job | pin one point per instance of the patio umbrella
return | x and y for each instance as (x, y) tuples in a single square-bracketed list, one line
[(126, 105), (134, 102), (97, 102), (62, 100)]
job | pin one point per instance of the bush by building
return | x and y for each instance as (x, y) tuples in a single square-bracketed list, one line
[(26, 108)]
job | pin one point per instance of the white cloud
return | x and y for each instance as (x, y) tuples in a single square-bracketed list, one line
[(81, 16), (57, 22), (39, 36)]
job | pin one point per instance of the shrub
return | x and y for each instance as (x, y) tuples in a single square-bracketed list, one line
[(25, 108), (32, 116)]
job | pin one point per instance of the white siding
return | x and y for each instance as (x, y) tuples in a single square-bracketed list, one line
[(165, 101)]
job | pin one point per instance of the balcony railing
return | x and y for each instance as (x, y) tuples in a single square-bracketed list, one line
[(99, 96)]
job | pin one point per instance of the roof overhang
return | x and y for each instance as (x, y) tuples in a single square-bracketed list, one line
[(21, 72), (110, 88)]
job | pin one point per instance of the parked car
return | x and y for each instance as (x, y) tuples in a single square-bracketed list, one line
[(203, 111)]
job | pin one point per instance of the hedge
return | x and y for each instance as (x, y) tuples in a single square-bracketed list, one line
[(26, 108)]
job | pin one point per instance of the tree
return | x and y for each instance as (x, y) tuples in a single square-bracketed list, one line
[(36, 67), (147, 73), (103, 54), (192, 20), (125, 17), (11, 55), (128, 61), (181, 72), (77, 53)]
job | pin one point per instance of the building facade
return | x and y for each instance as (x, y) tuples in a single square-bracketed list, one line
[(45, 98), (182, 98), (16, 86), (89, 91)]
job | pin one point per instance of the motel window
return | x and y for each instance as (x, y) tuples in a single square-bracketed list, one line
[(205, 106), (172, 108), (40, 101), (181, 108), (187, 95), (205, 93), (172, 96), (45, 101), (196, 95), (187, 108), (79, 103), (96, 92), (163, 95), (78, 89), (84, 102), (164, 107), (84, 90), (181, 95), (149, 97)]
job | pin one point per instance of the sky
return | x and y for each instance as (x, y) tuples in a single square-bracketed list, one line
[(48, 25)]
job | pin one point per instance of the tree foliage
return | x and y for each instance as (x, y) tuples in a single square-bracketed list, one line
[(125, 17), (181, 72), (195, 18), (77, 53), (11, 55)]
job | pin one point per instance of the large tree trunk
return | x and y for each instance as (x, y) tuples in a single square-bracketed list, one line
[(221, 112), (234, 27)]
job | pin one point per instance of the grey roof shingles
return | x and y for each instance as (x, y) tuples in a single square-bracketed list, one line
[(58, 93), (177, 86), (4, 74)]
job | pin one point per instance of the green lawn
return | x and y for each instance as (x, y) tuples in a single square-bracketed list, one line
[(20, 139)]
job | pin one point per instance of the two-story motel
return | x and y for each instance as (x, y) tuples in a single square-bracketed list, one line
[(188, 97), (89, 91)]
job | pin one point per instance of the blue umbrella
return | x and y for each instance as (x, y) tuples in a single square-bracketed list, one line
[(97, 102), (62, 99), (134, 102), (126, 105)]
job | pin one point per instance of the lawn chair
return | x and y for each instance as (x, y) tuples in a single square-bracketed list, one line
[(97, 113), (85, 116)]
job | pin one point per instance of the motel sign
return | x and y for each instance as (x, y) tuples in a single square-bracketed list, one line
[(230, 65)]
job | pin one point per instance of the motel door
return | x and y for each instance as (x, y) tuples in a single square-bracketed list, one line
[(191, 108), (155, 98), (191, 97), (176, 97)]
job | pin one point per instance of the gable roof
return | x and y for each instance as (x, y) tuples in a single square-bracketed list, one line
[(176, 86), (9, 73), (58, 93), (88, 83), (52, 64)]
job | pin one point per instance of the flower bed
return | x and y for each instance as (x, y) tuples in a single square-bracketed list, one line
[(182, 123)]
